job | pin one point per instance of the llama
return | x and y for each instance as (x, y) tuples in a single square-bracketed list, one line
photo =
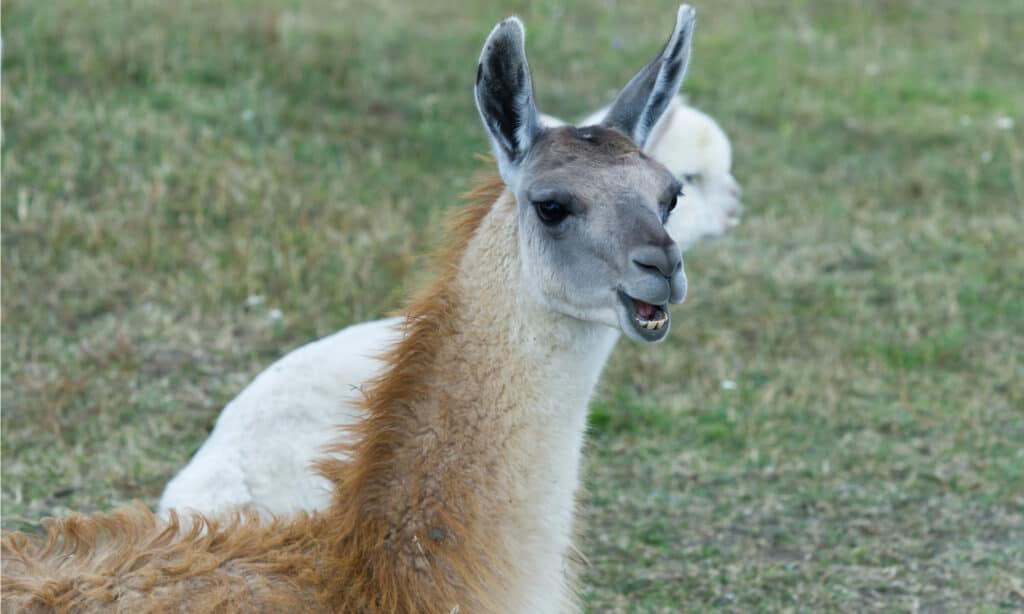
[(459, 491), (260, 453)]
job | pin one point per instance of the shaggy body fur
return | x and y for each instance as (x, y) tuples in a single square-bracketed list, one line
[(430, 512), (260, 452)]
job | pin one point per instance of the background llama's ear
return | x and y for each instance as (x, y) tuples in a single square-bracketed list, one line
[(504, 97), (640, 104)]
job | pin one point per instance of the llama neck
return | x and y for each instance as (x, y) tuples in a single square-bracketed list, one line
[(539, 371), (477, 474)]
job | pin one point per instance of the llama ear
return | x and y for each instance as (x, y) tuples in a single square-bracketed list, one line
[(504, 97), (641, 103)]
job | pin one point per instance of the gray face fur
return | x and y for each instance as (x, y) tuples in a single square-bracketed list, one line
[(591, 205)]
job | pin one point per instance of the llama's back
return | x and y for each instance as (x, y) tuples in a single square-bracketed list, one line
[(130, 561), (259, 454)]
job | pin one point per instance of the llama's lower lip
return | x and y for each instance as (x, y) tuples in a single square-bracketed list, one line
[(648, 330)]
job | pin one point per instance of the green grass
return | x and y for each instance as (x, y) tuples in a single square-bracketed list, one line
[(164, 161)]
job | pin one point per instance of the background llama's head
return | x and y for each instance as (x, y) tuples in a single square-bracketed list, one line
[(591, 205), (694, 147)]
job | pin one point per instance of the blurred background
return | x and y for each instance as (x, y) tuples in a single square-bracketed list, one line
[(191, 189)]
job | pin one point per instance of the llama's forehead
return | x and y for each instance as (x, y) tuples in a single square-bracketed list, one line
[(595, 159), (596, 144)]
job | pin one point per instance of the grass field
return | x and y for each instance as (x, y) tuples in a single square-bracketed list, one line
[(163, 162)]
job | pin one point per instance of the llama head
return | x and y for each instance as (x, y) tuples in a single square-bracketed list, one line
[(591, 205)]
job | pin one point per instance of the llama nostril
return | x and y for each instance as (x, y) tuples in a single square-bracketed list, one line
[(662, 262), (649, 268)]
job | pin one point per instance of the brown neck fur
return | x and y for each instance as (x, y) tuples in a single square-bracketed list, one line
[(418, 539), (384, 545)]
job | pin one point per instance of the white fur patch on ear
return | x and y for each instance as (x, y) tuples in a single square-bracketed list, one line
[(504, 96), (550, 121)]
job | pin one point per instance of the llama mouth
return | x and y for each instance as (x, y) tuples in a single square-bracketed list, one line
[(649, 321)]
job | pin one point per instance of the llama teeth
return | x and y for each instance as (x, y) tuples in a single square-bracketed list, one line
[(652, 324)]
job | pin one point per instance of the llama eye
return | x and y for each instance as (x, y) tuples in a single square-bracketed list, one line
[(671, 206), (691, 178), (550, 212)]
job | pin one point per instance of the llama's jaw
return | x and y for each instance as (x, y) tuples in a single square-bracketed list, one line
[(641, 320)]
